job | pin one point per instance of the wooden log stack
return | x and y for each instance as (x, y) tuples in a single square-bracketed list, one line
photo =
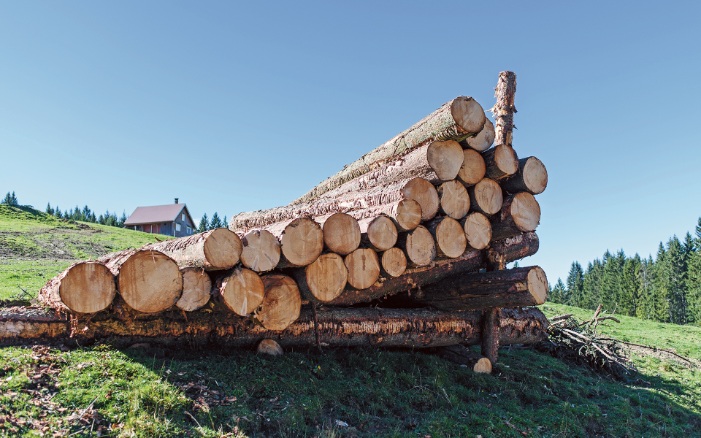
[(429, 219)]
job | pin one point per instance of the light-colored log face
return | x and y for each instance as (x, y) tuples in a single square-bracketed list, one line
[(468, 114), (150, 281), (473, 168), (408, 214), (197, 287), (282, 302), (450, 238), (326, 277), (445, 158), (487, 196), (455, 201), (505, 162), (269, 347), (420, 246), (483, 366), (525, 211), (302, 241), (394, 262), (484, 140), (363, 268), (261, 251), (88, 287), (222, 249), (341, 233), (478, 230), (423, 192), (242, 291), (535, 176), (382, 233), (538, 284)]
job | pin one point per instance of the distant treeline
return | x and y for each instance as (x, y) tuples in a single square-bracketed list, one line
[(210, 224), (666, 288)]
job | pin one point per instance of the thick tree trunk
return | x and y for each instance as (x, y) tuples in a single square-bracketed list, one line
[(478, 230), (473, 167), (519, 214), (486, 197), (532, 177), (511, 249), (445, 159), (84, 287), (341, 233), (454, 199), (418, 245), (324, 279), (261, 251), (241, 290), (504, 108), (481, 290), (393, 262), (379, 233), (213, 250), (450, 237), (356, 327), (197, 289), (482, 141), (456, 120), (148, 280), (363, 268), (501, 162), (281, 304)]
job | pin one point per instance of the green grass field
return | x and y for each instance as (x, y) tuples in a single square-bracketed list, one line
[(102, 391)]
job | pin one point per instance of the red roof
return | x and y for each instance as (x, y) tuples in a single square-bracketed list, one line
[(156, 214)]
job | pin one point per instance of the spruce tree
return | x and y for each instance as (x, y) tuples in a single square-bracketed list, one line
[(7, 200), (204, 224), (122, 219), (575, 285), (215, 222), (557, 293), (13, 200), (49, 210)]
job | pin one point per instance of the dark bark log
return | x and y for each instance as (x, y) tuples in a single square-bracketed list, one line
[(501, 162), (504, 108), (520, 213), (491, 334), (358, 327), (531, 177), (84, 287)]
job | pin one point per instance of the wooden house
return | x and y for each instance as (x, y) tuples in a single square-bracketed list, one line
[(171, 220)]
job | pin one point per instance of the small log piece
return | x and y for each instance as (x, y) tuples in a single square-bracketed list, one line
[(84, 287), (531, 177), (197, 289)]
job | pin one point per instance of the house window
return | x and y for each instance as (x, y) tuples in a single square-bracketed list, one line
[(189, 230), (182, 217), (177, 227)]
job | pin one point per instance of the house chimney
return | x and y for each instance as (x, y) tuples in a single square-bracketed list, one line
[(176, 200)]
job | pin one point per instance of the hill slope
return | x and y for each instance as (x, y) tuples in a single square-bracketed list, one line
[(34, 247)]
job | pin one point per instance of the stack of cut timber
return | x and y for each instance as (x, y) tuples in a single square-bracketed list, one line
[(428, 219)]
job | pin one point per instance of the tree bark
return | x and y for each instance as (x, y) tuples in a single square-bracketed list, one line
[(261, 251), (341, 233), (363, 268), (379, 233), (393, 262), (418, 245), (213, 250), (454, 199), (455, 120), (486, 197), (281, 304), (491, 334), (148, 280), (241, 290), (481, 290), (478, 230), (473, 167), (445, 159), (84, 287), (519, 214), (501, 162), (355, 327), (324, 279), (531, 177), (504, 108), (197, 289), (449, 235)]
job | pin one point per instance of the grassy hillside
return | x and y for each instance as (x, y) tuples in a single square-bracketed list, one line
[(34, 247), (149, 392)]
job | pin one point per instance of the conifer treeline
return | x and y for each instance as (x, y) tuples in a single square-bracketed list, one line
[(666, 288)]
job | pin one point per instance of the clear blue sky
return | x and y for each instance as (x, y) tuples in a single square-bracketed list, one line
[(237, 106)]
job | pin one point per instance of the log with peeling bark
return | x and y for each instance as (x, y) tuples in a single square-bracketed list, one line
[(261, 251), (531, 177), (393, 262), (504, 108), (324, 279), (501, 162), (449, 235), (517, 287), (379, 233), (445, 159), (510, 250), (363, 266), (197, 289), (454, 199), (418, 245), (473, 167), (456, 120), (148, 280), (486, 197), (213, 250), (483, 140), (353, 327), (341, 233), (84, 287), (281, 304), (519, 214), (241, 290), (405, 213), (423, 192), (478, 230), (301, 241), (491, 334)]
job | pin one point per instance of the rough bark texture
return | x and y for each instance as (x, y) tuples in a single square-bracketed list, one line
[(455, 120), (261, 251), (241, 290), (393, 262), (281, 304), (197, 289), (491, 336), (363, 268), (84, 287), (450, 237), (484, 140), (519, 214), (445, 159), (516, 287), (504, 108), (454, 199), (213, 250), (478, 230), (148, 280), (486, 197), (379, 233), (501, 162), (531, 177), (341, 233), (324, 279), (357, 327), (473, 167), (418, 245)]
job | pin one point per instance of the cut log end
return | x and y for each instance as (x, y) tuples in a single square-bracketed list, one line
[(408, 214), (501, 162), (363, 268), (302, 242), (525, 212), (423, 192), (538, 285), (455, 201), (394, 262), (532, 177), (482, 366), (473, 167), (484, 140), (468, 114), (419, 246), (269, 347), (87, 287), (150, 281), (326, 277), (282, 303), (382, 233), (341, 233), (242, 291), (445, 159), (261, 251), (486, 197), (222, 249), (197, 288), (478, 230), (450, 236)]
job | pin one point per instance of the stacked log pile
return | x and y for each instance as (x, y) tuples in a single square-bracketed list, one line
[(422, 226)]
